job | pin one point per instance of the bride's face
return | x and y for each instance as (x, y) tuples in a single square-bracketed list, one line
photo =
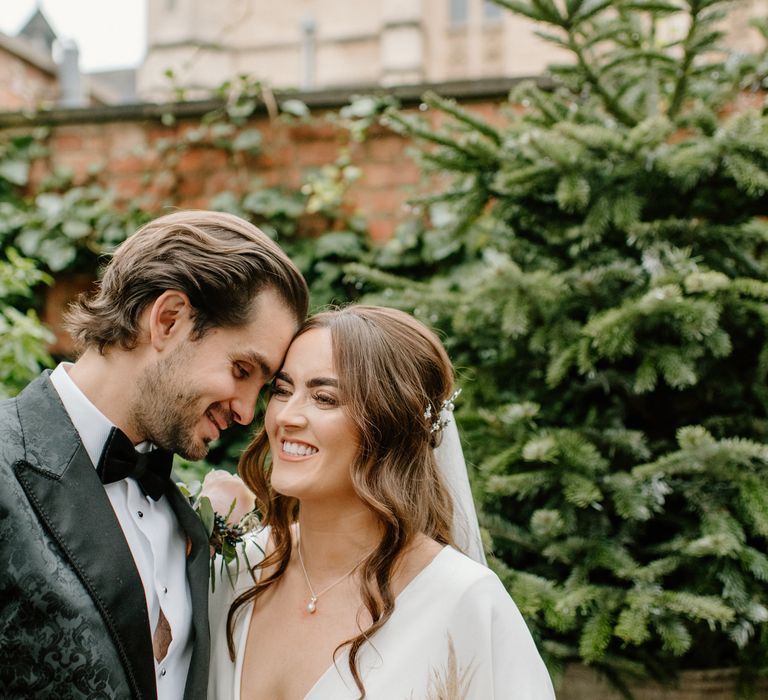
[(312, 438)]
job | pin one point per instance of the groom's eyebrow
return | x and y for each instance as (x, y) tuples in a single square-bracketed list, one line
[(258, 360)]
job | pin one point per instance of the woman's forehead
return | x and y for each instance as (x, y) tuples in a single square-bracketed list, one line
[(310, 355)]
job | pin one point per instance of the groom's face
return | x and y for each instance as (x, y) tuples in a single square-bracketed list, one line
[(200, 387)]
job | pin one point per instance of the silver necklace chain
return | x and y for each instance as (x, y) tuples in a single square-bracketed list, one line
[(312, 604)]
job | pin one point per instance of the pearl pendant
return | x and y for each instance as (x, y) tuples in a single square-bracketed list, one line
[(312, 605)]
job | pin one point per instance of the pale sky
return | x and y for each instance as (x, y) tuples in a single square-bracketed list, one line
[(109, 33)]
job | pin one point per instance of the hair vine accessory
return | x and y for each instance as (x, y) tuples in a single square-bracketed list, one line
[(441, 420)]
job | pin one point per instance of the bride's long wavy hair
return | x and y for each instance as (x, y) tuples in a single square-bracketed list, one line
[(390, 369)]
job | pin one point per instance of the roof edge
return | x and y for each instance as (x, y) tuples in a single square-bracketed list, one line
[(330, 98)]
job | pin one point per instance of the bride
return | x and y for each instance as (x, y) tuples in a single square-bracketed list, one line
[(359, 588)]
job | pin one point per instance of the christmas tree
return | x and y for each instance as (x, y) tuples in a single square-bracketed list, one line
[(598, 268)]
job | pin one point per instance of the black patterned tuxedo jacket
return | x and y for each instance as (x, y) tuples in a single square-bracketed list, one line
[(73, 617)]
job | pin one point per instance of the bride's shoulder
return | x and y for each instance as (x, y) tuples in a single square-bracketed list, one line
[(417, 557), (456, 574)]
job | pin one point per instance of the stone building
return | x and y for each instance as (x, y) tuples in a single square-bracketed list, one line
[(28, 74), (322, 44), (31, 79), (303, 44)]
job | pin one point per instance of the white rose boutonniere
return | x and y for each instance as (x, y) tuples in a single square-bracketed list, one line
[(225, 506)]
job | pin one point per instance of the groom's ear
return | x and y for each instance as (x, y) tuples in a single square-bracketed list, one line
[(169, 318)]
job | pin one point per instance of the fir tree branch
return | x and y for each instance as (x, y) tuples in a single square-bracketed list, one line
[(691, 48), (400, 124), (578, 14), (358, 272), (610, 101), (462, 115)]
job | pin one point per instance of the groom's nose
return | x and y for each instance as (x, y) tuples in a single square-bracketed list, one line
[(243, 404)]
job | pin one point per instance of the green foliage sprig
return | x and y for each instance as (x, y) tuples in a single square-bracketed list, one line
[(23, 338)]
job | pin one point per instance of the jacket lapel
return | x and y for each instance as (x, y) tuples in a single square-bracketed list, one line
[(198, 565), (63, 487)]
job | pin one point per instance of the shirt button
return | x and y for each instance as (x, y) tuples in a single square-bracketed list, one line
[(163, 672), (140, 514), (165, 590)]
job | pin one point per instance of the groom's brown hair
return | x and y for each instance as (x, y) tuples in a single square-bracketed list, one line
[(220, 261)]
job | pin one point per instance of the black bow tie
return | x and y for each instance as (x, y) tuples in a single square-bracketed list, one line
[(120, 460)]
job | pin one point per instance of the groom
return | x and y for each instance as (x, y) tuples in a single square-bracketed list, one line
[(103, 564)]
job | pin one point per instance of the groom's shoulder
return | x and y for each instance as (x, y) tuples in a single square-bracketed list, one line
[(12, 444), (22, 415)]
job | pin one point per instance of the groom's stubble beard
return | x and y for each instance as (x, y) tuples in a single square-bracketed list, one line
[(165, 411)]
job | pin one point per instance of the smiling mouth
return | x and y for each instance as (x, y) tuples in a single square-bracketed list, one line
[(221, 418), (209, 415), (298, 449)]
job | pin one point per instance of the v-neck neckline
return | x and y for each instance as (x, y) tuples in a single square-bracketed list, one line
[(246, 623)]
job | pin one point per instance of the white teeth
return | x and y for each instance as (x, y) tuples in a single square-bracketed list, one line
[(295, 448)]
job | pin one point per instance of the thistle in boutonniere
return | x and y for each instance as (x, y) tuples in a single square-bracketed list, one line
[(225, 506)]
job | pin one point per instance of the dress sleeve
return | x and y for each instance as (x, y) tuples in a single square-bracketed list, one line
[(494, 651)]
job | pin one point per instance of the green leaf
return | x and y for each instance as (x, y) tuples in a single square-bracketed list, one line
[(29, 241), (15, 171), (51, 205), (340, 244), (296, 108), (75, 229), (57, 253), (248, 140), (207, 516)]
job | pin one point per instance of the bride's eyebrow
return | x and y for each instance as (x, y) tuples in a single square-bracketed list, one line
[(323, 381)]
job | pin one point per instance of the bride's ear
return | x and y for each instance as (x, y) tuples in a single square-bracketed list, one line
[(169, 319)]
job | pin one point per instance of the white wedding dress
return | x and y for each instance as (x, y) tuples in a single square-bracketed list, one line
[(455, 633)]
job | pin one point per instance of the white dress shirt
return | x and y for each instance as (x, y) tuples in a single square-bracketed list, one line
[(153, 534)]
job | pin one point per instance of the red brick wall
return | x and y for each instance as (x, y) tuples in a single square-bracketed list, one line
[(150, 166), (153, 166)]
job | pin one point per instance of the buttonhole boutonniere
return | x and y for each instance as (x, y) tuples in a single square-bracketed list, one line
[(225, 506)]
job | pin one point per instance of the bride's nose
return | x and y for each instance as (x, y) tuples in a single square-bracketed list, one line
[(291, 413)]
